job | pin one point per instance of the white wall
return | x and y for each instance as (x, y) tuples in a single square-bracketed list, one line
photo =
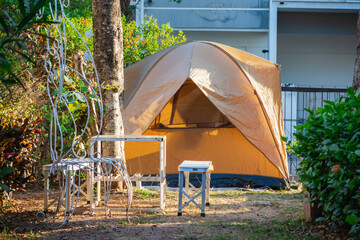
[(252, 42), (317, 49)]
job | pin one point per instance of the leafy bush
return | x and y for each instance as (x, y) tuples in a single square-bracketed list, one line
[(17, 142), (329, 146), (146, 39), (74, 42), (17, 21)]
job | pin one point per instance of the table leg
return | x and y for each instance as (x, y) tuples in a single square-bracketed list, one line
[(203, 191), (181, 179), (162, 175)]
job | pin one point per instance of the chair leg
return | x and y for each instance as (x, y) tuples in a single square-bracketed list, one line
[(98, 186), (46, 190), (68, 190), (91, 191), (88, 186)]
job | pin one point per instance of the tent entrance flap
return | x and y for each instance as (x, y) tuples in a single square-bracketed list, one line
[(190, 108)]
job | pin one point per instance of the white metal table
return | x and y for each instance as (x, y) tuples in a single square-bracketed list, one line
[(136, 138), (203, 167)]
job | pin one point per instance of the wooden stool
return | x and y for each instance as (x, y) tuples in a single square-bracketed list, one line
[(185, 168)]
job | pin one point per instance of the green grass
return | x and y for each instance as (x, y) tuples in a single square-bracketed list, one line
[(145, 194), (251, 229), (281, 230)]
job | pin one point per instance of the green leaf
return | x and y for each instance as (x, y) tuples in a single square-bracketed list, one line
[(27, 19), (327, 141), (4, 187), (320, 219), (81, 84), (80, 97), (4, 25), (351, 219), (68, 80), (352, 158), (93, 96), (72, 106), (11, 20), (357, 152), (5, 171), (334, 147), (350, 90), (22, 7), (84, 89)]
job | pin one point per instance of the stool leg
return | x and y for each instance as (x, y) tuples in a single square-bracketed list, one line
[(46, 190), (208, 177), (181, 179), (203, 190)]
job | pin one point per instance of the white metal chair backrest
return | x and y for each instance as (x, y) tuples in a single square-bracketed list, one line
[(74, 156), (57, 77)]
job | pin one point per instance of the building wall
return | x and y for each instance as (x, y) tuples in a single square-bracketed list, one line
[(316, 49), (313, 40), (252, 42)]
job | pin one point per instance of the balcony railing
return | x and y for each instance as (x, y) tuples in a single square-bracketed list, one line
[(295, 100)]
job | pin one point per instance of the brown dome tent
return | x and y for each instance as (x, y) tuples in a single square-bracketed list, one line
[(212, 102)]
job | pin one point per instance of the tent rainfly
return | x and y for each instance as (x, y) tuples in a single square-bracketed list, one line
[(213, 103)]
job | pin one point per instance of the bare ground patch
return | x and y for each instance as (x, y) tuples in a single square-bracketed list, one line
[(231, 215)]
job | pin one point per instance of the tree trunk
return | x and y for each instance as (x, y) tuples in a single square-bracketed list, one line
[(356, 79), (108, 56)]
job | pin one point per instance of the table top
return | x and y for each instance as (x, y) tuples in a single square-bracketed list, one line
[(129, 138), (196, 166)]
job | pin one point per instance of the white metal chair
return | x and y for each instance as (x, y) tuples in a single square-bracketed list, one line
[(75, 157)]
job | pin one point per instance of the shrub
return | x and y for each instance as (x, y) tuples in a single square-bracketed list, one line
[(329, 146), (17, 21), (146, 39), (17, 141)]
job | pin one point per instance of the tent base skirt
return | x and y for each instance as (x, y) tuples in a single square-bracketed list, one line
[(231, 180)]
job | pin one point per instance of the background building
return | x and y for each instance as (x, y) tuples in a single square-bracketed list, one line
[(313, 41)]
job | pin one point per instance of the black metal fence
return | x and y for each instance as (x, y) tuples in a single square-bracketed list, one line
[(295, 100)]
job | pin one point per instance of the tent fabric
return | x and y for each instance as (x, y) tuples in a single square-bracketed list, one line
[(199, 144), (242, 89), (190, 108)]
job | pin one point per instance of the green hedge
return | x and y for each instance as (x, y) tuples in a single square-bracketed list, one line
[(329, 147)]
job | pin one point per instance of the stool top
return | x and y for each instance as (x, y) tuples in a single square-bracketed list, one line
[(196, 166)]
